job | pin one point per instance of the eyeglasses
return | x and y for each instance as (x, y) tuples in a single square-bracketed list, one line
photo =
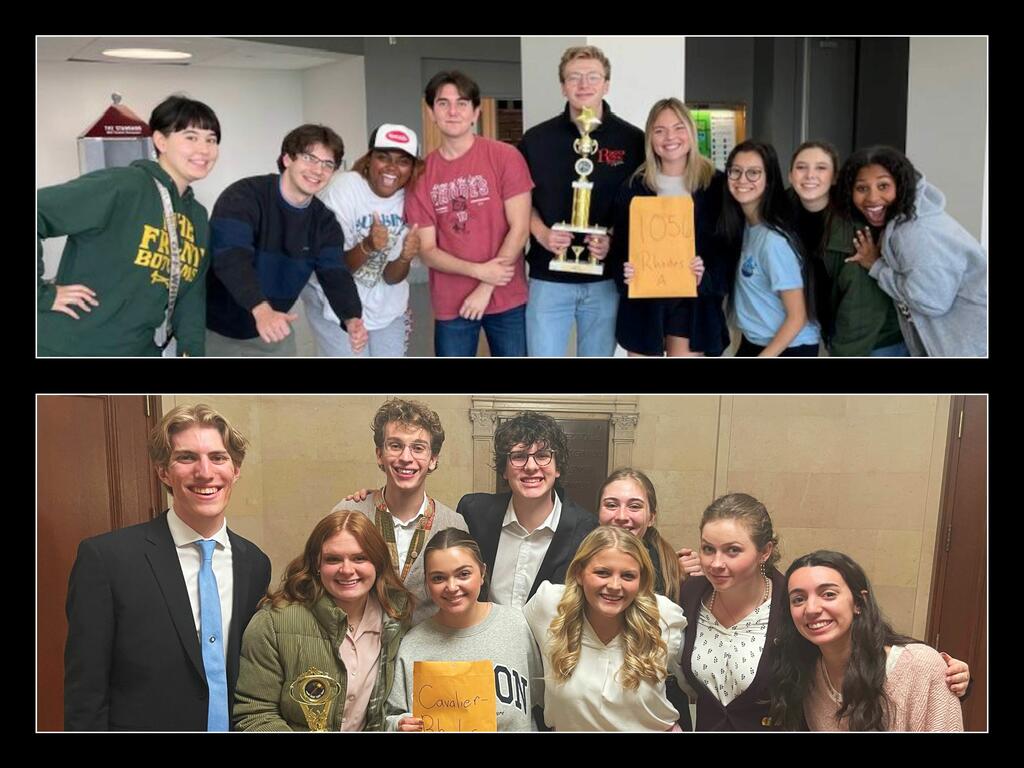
[(329, 165), (519, 458), (591, 78), (752, 174), (397, 448)]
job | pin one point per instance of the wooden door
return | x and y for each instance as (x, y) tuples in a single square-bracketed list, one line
[(958, 617), (93, 476)]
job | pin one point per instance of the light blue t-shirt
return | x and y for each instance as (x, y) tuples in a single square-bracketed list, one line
[(768, 265)]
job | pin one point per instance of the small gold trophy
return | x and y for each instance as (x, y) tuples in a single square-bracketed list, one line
[(314, 691), (585, 147)]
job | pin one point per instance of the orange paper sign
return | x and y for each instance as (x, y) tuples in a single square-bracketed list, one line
[(454, 695), (661, 247)]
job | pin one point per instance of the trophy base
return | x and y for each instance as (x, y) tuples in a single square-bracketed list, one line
[(579, 267), (563, 227)]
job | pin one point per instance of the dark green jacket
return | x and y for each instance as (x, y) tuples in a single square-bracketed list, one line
[(865, 317), (117, 246), (280, 644)]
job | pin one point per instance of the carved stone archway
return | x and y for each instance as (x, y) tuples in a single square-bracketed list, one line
[(621, 412)]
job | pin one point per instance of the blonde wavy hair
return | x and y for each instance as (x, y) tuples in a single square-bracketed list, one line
[(699, 169), (646, 652)]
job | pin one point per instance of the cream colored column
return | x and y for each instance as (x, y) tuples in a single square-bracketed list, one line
[(484, 424)]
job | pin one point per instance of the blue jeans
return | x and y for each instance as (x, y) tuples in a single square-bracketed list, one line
[(552, 309), (894, 350), (506, 335)]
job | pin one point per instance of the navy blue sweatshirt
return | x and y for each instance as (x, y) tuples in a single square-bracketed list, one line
[(265, 249)]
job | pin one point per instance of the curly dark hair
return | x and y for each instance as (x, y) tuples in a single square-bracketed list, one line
[(899, 167), (865, 705), (529, 427), (410, 413)]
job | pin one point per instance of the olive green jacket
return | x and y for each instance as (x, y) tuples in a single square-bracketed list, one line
[(280, 644)]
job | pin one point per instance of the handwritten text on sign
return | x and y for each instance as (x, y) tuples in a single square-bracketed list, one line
[(661, 247), (454, 695)]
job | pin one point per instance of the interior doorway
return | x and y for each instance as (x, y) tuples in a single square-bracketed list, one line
[(958, 619)]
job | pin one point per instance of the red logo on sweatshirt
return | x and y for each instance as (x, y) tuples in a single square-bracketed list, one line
[(611, 156), (398, 136)]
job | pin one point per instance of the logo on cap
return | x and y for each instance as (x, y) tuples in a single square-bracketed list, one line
[(398, 136)]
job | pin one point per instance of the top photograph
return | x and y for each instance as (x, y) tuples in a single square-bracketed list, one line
[(556, 196)]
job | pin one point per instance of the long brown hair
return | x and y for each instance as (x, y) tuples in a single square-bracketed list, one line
[(670, 573), (301, 581)]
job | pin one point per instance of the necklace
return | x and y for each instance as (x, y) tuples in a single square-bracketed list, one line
[(764, 598), (832, 692)]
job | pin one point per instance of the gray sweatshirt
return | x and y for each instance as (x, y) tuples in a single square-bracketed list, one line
[(936, 274), (503, 638)]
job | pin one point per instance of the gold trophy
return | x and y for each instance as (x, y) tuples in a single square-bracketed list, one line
[(585, 147), (314, 691)]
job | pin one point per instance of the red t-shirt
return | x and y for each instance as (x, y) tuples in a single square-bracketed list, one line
[(464, 200)]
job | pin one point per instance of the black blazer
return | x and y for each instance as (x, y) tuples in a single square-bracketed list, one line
[(484, 513), (749, 710), (132, 659)]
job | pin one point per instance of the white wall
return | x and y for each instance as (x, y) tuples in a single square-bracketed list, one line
[(335, 95), (947, 122), (542, 93), (256, 108), (644, 70)]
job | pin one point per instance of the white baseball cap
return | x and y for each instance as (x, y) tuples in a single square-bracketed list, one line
[(394, 136)]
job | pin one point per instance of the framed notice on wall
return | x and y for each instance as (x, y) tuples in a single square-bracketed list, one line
[(719, 129)]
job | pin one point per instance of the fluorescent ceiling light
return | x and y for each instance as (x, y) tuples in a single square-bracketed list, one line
[(155, 54)]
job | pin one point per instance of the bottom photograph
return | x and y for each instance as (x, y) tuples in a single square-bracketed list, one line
[(619, 563)]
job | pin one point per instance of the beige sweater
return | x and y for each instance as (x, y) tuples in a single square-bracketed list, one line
[(915, 684)]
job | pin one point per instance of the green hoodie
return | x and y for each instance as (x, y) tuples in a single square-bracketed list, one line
[(117, 246), (865, 317)]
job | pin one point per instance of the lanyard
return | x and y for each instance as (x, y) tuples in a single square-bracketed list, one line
[(386, 526), (164, 332)]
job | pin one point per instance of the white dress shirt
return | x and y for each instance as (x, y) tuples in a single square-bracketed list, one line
[(519, 556), (404, 533), (191, 558)]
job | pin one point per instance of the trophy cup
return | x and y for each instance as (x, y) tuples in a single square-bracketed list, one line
[(584, 146), (314, 691)]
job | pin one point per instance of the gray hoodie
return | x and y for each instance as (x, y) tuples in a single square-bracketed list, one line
[(935, 272)]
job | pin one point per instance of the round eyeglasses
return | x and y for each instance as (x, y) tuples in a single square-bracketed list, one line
[(735, 172), (519, 458)]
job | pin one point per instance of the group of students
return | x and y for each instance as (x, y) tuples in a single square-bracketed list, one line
[(860, 257), (589, 622)]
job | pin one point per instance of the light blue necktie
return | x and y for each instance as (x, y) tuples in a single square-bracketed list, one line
[(211, 638)]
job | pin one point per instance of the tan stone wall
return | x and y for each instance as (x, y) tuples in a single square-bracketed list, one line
[(861, 474)]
